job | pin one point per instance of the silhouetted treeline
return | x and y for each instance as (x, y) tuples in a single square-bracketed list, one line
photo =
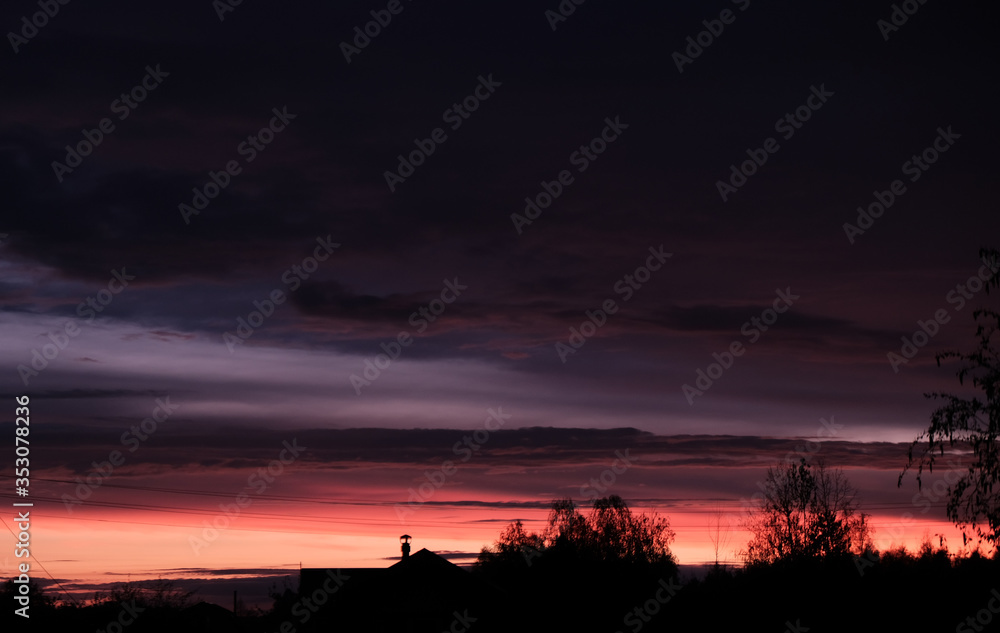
[(609, 570), (559, 591)]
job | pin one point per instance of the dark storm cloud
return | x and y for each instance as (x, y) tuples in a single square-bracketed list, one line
[(192, 448), (334, 300), (797, 328), (223, 572), (541, 311), (324, 175), (128, 214), (73, 394), (708, 318)]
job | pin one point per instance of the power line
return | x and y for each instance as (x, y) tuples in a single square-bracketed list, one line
[(51, 577), (686, 528), (668, 501), (208, 493)]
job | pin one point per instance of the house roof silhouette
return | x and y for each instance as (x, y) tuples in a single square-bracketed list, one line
[(409, 575), (205, 616), (422, 591)]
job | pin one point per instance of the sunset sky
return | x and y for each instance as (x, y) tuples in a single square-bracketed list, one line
[(592, 166)]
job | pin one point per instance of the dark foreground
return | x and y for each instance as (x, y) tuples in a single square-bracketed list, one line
[(929, 592)]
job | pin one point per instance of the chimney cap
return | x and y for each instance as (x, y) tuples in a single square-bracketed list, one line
[(405, 538)]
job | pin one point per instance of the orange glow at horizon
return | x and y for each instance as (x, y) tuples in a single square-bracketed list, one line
[(89, 551)]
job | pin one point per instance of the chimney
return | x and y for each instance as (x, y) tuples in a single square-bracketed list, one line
[(405, 541)]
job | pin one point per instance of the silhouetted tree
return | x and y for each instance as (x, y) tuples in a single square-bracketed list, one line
[(611, 532), (805, 515), (159, 593), (566, 527), (618, 534), (970, 423), (515, 546), (719, 531), (39, 600)]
